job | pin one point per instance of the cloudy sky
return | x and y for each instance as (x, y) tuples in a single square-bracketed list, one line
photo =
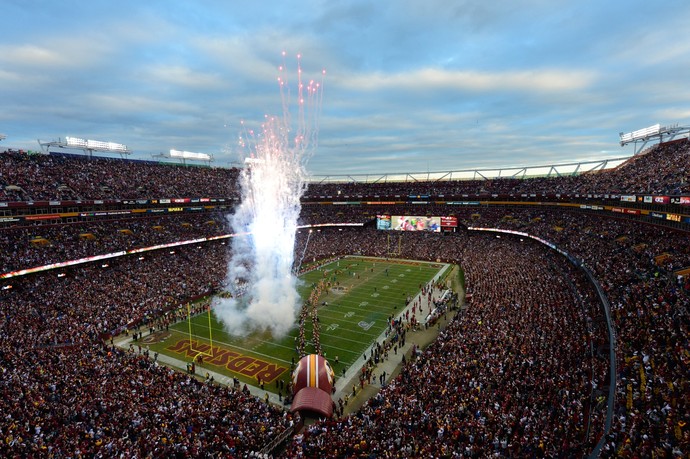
[(410, 86)]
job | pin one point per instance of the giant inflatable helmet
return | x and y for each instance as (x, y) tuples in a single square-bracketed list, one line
[(313, 381)]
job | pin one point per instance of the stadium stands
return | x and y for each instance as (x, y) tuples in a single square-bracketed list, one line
[(519, 374), (40, 177), (74, 241), (513, 370), (68, 393), (660, 170)]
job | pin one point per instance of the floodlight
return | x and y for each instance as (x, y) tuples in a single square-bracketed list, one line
[(110, 146), (3, 136), (627, 137), (651, 130), (640, 133), (189, 155), (76, 142)]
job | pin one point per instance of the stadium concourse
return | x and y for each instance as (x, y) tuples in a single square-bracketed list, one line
[(523, 371)]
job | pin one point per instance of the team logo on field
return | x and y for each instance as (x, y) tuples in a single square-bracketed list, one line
[(156, 337), (231, 360), (365, 325)]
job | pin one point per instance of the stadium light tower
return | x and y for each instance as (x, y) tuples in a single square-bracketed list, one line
[(3, 136), (651, 133), (188, 155), (88, 146)]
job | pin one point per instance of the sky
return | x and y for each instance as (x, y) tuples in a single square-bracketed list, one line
[(409, 86)]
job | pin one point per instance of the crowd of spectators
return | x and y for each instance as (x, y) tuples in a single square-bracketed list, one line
[(68, 393), (511, 377), (649, 305), (516, 299), (43, 177), (519, 373), (41, 245), (662, 169)]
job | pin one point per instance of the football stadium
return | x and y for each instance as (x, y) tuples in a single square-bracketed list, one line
[(525, 316), (306, 292)]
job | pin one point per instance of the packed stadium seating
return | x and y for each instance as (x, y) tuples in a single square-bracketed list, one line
[(660, 170), (518, 374), (39, 177), (42, 245), (649, 306), (514, 368)]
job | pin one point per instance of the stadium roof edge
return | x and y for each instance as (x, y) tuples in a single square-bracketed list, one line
[(517, 172)]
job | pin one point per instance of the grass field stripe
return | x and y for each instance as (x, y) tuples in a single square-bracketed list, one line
[(272, 343)]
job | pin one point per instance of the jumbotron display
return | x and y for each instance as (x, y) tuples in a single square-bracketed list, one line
[(415, 223)]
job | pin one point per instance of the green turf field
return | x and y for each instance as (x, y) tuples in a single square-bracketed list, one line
[(365, 293)]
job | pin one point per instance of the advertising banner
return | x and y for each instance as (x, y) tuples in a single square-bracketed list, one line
[(449, 222)]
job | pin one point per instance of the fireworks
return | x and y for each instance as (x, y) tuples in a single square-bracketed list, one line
[(273, 181)]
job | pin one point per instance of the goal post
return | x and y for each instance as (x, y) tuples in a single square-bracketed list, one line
[(391, 242), (205, 352)]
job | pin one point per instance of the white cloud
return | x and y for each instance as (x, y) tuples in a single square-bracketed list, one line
[(178, 75), (30, 55), (440, 79), (131, 104)]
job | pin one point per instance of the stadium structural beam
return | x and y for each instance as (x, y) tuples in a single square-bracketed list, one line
[(381, 177), (573, 168), (159, 155), (480, 174), (414, 179), (520, 172), (440, 179)]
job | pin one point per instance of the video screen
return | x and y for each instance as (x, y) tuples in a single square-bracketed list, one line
[(416, 223), (383, 222)]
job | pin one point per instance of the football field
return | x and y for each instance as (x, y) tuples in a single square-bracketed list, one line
[(364, 294)]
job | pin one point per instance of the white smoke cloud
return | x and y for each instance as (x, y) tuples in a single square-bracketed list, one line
[(262, 261)]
